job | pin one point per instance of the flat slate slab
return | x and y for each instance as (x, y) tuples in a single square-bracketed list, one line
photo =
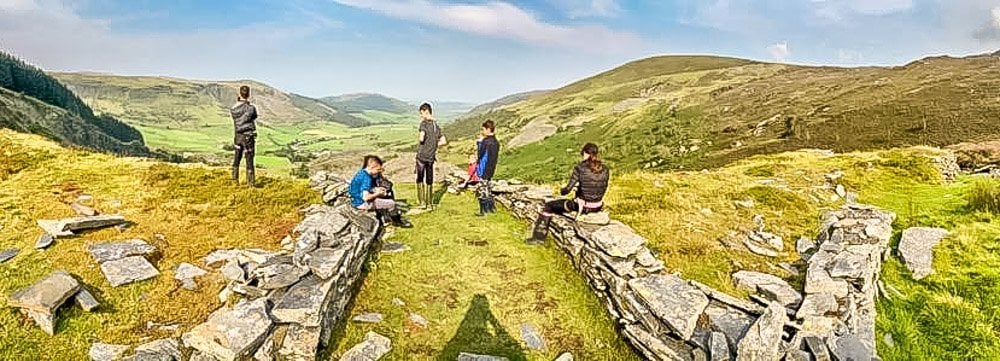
[(127, 270), (86, 300), (474, 357), (44, 241), (8, 254), (48, 294), (68, 226), (232, 333), (673, 300), (917, 249), (40, 300), (104, 252), (372, 348), (303, 303)]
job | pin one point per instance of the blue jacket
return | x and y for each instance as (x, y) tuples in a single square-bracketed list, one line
[(361, 183)]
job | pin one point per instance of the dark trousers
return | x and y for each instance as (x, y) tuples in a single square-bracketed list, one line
[(245, 147), (563, 206), (425, 172)]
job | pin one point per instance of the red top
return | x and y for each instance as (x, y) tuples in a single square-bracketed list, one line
[(473, 177)]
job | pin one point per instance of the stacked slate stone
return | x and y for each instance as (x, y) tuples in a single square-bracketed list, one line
[(41, 300), (666, 317), (842, 282), (333, 188), (289, 302)]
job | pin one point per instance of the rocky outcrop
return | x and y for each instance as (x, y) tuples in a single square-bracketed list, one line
[(916, 248), (666, 317)]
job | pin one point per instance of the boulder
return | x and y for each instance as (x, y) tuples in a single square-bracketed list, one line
[(41, 300), (771, 287), (531, 337), (104, 252), (917, 249), (220, 256), (231, 333), (234, 272), (8, 254), (851, 347), (673, 300), (763, 340), (372, 348), (618, 240), (128, 270), (817, 304), (106, 352)]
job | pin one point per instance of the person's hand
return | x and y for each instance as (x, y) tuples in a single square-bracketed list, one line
[(563, 191)]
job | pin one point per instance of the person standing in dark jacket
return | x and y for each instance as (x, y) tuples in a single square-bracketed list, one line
[(430, 138), (590, 181), (245, 126), (488, 151)]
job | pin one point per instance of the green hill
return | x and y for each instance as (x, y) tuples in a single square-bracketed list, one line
[(32, 101), (502, 102), (192, 118), (361, 102), (677, 112)]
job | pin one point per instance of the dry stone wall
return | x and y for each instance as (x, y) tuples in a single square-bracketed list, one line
[(666, 317)]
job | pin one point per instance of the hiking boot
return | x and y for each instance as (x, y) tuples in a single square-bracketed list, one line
[(399, 221), (482, 208), (540, 231)]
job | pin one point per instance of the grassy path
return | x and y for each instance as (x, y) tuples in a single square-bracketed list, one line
[(476, 282)]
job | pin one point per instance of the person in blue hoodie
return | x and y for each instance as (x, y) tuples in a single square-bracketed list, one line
[(367, 195), (488, 151)]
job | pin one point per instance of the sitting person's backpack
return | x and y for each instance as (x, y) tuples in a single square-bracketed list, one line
[(382, 181)]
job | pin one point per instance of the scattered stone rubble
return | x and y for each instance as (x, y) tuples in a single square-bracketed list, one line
[(666, 317), (124, 262), (69, 227), (41, 300)]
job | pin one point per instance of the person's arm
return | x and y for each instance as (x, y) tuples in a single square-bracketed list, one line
[(442, 141), (423, 135), (253, 113), (574, 178), (493, 154)]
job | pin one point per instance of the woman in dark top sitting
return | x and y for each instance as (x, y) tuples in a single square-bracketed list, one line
[(589, 180)]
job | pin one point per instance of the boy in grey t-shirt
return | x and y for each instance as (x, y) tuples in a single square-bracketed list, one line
[(430, 139)]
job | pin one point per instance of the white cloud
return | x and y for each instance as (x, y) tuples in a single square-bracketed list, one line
[(779, 51), (996, 17), (502, 20), (990, 31)]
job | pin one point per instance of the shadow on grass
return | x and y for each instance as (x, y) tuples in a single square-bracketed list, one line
[(481, 333)]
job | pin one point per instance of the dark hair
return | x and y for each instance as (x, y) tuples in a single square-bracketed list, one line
[(369, 159), (490, 125), (427, 107), (594, 162), (244, 92)]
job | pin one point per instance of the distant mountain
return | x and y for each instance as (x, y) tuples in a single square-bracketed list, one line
[(34, 102), (163, 101), (362, 102), (502, 102)]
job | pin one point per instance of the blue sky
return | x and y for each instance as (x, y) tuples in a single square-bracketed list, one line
[(473, 50)]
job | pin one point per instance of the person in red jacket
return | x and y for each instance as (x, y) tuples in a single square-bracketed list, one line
[(473, 178)]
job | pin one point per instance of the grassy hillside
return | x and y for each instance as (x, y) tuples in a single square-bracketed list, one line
[(26, 114), (679, 112), (185, 211), (361, 102), (502, 102), (71, 122)]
